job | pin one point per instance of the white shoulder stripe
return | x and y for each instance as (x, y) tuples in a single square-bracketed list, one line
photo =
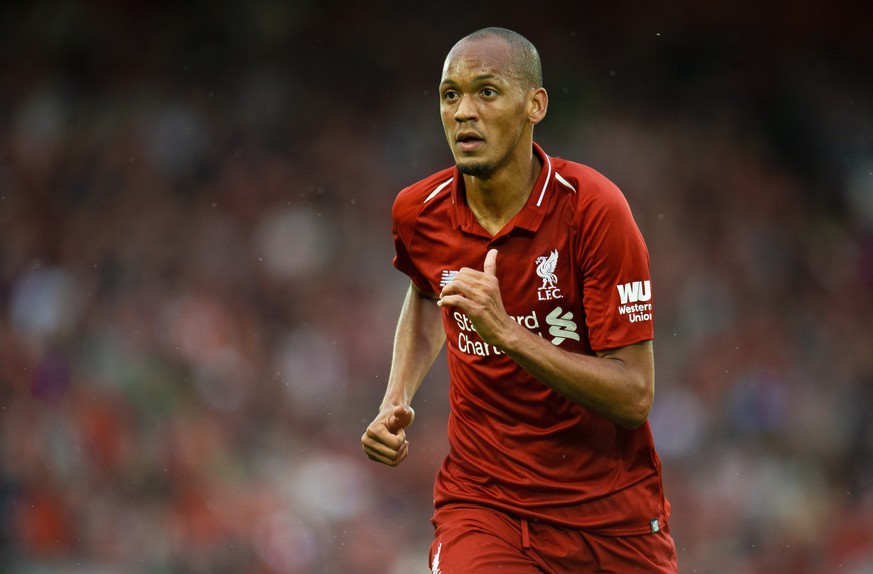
[(439, 188), (564, 181), (546, 183)]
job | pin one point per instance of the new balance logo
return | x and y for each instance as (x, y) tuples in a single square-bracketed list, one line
[(634, 292), (446, 277)]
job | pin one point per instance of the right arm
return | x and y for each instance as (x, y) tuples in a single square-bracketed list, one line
[(417, 342)]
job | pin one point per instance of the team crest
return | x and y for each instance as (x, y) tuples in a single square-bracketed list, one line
[(546, 265)]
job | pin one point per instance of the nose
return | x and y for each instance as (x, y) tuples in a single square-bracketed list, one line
[(466, 109)]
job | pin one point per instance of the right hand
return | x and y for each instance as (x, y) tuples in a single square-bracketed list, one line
[(385, 439)]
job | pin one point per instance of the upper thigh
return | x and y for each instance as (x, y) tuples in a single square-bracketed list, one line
[(568, 550), (654, 553), (472, 540)]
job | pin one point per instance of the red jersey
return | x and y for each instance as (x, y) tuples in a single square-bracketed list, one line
[(573, 268)]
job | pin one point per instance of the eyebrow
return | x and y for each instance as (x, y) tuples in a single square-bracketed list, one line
[(477, 79)]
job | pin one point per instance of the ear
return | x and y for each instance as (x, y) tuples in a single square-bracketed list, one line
[(537, 105)]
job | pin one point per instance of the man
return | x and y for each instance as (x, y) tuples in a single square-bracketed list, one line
[(532, 271)]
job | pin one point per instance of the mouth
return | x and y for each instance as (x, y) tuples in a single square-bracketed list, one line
[(469, 141)]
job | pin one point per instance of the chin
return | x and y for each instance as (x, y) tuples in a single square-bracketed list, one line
[(475, 168)]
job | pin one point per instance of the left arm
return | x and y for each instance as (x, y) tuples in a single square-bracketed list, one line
[(617, 383)]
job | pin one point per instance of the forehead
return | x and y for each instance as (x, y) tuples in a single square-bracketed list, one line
[(473, 58)]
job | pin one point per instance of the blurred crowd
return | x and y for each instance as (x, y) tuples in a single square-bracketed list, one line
[(197, 301)]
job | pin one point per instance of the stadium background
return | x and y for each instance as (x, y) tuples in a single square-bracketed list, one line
[(197, 302)]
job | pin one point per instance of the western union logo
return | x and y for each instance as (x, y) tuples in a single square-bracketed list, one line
[(635, 292)]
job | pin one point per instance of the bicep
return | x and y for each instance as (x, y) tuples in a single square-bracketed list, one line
[(419, 292), (639, 358), (636, 367), (421, 318)]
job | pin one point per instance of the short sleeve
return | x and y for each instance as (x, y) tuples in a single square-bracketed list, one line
[(614, 266), (403, 216)]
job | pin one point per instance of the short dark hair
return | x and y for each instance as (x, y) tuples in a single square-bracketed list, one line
[(524, 54)]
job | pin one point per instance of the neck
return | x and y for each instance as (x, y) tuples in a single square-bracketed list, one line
[(497, 198)]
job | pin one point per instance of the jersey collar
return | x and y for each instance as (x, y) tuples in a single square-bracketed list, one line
[(531, 215)]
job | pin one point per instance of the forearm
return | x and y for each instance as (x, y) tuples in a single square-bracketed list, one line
[(417, 342), (618, 384)]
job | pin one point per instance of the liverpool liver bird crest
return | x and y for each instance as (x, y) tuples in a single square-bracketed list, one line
[(546, 269)]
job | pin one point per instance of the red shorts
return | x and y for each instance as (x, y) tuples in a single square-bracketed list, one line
[(480, 540)]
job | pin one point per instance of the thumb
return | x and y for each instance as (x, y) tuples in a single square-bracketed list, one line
[(400, 418), (491, 262)]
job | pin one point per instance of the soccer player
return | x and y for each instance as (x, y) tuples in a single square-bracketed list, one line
[(533, 272)]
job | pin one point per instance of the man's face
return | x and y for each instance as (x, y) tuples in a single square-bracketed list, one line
[(483, 105)]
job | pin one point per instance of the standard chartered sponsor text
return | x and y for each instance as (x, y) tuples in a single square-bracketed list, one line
[(476, 346)]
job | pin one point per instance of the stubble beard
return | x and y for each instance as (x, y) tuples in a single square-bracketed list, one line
[(475, 169)]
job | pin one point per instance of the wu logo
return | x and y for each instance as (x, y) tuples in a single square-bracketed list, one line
[(634, 292), (546, 266)]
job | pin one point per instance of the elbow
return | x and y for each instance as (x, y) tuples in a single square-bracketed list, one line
[(637, 408), (632, 422), (633, 383)]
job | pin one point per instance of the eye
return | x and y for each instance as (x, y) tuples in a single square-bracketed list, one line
[(489, 92), (450, 95)]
